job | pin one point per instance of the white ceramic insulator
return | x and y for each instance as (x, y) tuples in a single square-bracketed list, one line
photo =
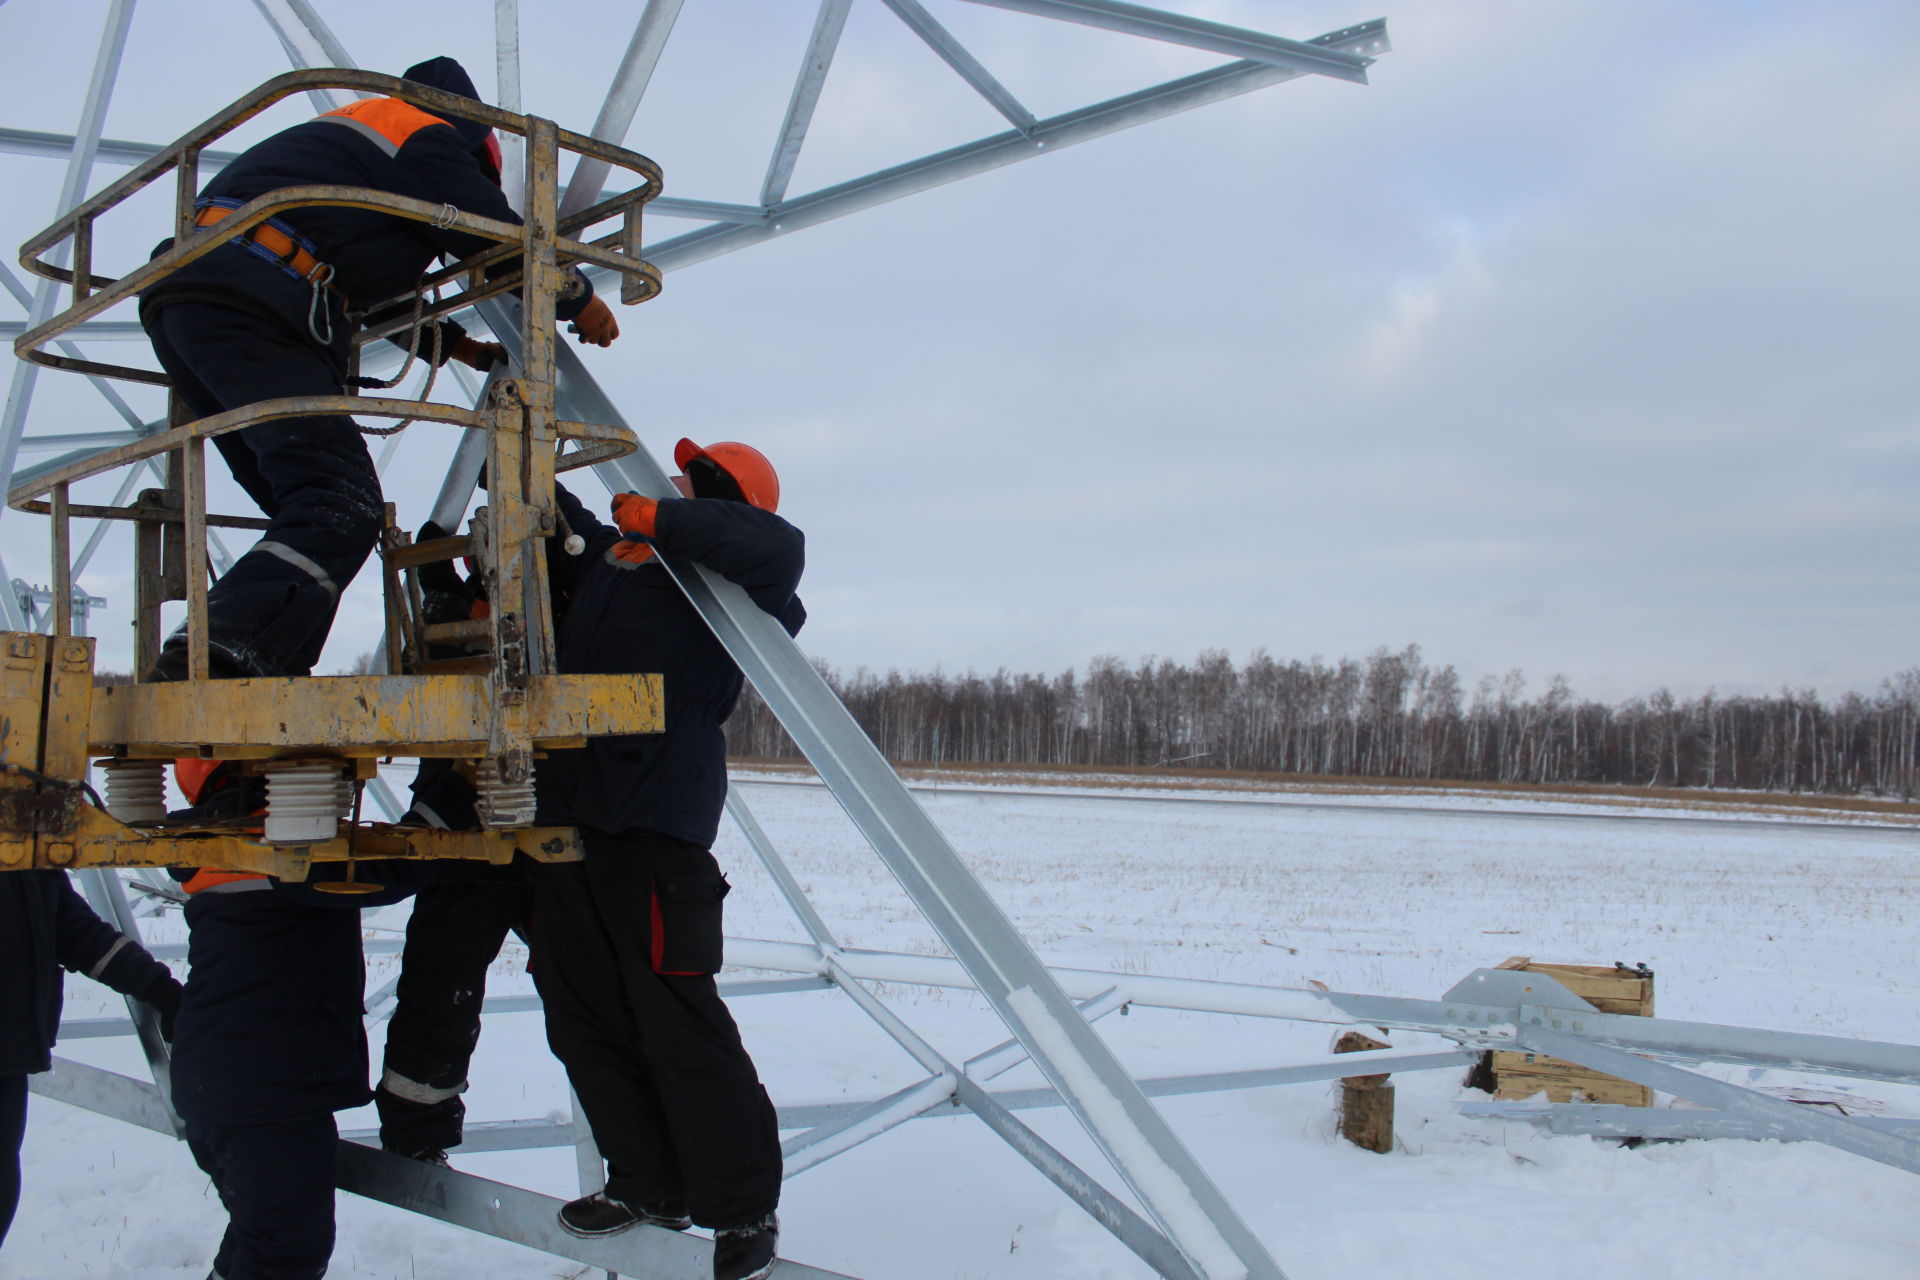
[(137, 790), (574, 545), (303, 804), (503, 804)]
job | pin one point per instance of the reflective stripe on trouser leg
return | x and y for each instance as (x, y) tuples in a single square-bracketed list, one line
[(400, 1086)]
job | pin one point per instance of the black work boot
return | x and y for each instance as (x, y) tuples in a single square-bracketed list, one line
[(172, 665), (430, 1155), (601, 1215), (746, 1253)]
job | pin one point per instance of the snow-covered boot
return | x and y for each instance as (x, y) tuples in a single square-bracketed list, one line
[(746, 1253)]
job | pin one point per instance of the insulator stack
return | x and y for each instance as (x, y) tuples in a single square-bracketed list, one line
[(136, 789), (303, 804)]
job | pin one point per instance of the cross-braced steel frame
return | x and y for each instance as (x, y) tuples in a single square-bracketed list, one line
[(1183, 1225)]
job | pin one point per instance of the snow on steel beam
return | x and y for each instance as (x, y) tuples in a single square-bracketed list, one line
[(827, 26), (1606, 1120), (1484, 1025), (964, 64), (990, 153), (1137, 20), (1786, 1119)]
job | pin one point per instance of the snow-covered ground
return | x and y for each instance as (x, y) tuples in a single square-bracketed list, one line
[(1780, 924)]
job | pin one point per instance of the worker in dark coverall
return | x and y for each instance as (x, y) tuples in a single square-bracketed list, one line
[(46, 927), (626, 943), (457, 928), (269, 1043), (458, 923), (272, 313)]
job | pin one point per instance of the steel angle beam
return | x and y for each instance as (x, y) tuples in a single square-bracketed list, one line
[(529, 1218), (1666, 1124), (106, 1093), (490, 1136), (1785, 1119), (827, 26), (1372, 1062), (860, 1122), (964, 64), (1217, 37), (492, 1208), (92, 331), (623, 99), (1203, 1226), (73, 189), (58, 146), (1485, 1026), (1694, 1042), (1001, 149)]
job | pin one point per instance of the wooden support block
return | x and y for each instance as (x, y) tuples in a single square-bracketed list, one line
[(1366, 1102), (1608, 988)]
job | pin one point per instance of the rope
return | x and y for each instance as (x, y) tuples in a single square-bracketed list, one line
[(413, 351)]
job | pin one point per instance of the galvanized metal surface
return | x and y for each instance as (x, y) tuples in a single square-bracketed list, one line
[(13, 415), (828, 23), (1666, 1124), (1138, 20), (492, 1208), (1183, 1201), (1785, 1118)]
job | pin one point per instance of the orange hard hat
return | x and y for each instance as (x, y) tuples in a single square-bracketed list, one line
[(743, 464)]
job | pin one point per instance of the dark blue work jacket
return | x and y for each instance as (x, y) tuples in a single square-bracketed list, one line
[(46, 927), (270, 1027), (632, 618), (381, 143)]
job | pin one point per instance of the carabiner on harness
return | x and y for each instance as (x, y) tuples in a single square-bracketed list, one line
[(318, 310)]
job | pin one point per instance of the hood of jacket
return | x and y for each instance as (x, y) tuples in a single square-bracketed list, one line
[(445, 73)]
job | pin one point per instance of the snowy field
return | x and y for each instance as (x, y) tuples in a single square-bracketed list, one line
[(1778, 924)]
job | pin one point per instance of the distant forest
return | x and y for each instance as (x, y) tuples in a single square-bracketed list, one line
[(1388, 716)]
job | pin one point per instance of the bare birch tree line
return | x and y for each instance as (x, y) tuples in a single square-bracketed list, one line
[(1390, 715)]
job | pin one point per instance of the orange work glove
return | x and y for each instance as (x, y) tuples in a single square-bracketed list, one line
[(596, 324), (479, 355), (627, 552), (635, 514)]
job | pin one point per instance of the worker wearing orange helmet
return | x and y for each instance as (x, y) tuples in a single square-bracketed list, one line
[(670, 1093)]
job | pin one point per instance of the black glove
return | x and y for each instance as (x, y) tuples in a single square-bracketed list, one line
[(164, 999), (445, 595)]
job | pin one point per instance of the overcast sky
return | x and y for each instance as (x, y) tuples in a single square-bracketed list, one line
[(1582, 340)]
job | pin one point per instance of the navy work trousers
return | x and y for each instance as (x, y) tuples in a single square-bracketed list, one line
[(313, 477), (13, 1128), (453, 935), (276, 1181), (625, 946)]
